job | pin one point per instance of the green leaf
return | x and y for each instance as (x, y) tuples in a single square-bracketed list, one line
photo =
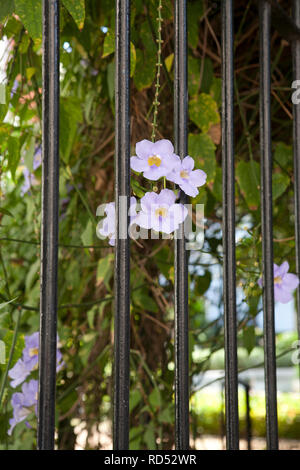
[(132, 59), (216, 90), (204, 111), (111, 81), (70, 117), (30, 71), (203, 283), (8, 338), (144, 301), (134, 398), (207, 75), (31, 275), (28, 149), (30, 13), (6, 303), (249, 338), (87, 235), (166, 415), (155, 398), (194, 13), (13, 158), (169, 62), (6, 8), (202, 149), (149, 438), (2, 352), (137, 188), (144, 70), (193, 75), (105, 269), (76, 8), (280, 182), (218, 185), (2, 93), (109, 44), (283, 154), (248, 177), (5, 212)]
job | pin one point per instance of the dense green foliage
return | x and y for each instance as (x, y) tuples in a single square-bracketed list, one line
[(86, 180)]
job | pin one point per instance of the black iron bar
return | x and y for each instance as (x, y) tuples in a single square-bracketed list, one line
[(267, 225), (296, 146), (181, 258), (122, 254), (49, 231), (229, 265)]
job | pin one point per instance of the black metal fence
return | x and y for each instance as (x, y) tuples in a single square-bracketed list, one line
[(290, 28)]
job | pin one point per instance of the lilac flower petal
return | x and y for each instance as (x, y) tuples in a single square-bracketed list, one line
[(179, 213), (19, 373), (166, 196), (155, 173), (112, 241), (137, 164), (189, 189), (22, 402), (283, 268), (144, 148), (197, 177), (149, 200), (188, 163), (290, 281), (110, 209), (144, 219), (167, 226), (276, 270), (281, 295), (163, 147)]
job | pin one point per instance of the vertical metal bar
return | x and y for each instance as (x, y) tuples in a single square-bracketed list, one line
[(229, 265), (267, 224), (296, 146), (49, 232), (122, 254), (181, 259)]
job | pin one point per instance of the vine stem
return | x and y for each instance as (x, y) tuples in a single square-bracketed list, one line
[(159, 41)]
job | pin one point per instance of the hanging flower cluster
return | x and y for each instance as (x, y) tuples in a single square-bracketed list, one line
[(25, 402), (159, 211)]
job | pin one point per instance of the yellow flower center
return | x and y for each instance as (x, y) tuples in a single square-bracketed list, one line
[(278, 280), (154, 160), (161, 212), (33, 352), (184, 174)]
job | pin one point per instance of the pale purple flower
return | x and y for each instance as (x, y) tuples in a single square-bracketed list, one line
[(284, 283), (30, 179), (154, 159), (108, 228), (29, 360), (19, 373), (160, 212), (31, 350), (186, 177), (24, 403)]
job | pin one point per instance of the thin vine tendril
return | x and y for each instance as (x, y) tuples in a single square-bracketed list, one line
[(159, 41)]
